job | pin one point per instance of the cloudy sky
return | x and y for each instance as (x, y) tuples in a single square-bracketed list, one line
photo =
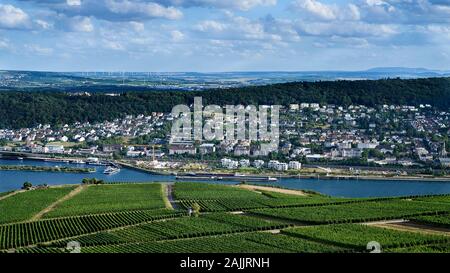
[(223, 35)]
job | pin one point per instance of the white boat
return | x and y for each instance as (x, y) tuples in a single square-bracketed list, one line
[(79, 162), (111, 170)]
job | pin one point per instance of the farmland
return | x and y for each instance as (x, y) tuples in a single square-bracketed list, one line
[(355, 212), (434, 220), (357, 236), (187, 227), (212, 198), (110, 198), (24, 205), (133, 218)]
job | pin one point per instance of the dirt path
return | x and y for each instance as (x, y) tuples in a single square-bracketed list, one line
[(168, 196), (414, 227), (386, 222), (66, 197), (11, 194), (271, 189)]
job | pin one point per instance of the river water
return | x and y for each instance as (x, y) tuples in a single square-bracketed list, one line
[(12, 180)]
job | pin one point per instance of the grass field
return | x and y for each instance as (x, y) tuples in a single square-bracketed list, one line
[(110, 198), (24, 205), (132, 218)]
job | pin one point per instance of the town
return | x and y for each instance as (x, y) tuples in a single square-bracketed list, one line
[(310, 133)]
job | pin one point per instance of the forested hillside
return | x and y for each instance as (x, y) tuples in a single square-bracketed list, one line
[(25, 109)]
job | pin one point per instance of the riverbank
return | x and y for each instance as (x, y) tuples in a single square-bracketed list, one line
[(136, 168), (313, 173), (13, 180), (45, 169), (321, 177)]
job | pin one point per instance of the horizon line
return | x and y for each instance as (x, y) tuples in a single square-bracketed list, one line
[(230, 71)]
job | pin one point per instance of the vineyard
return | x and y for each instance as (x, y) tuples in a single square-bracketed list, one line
[(256, 242), (357, 236), (132, 218), (430, 248), (356, 212), (23, 234), (434, 220), (110, 198), (213, 198), (188, 227), (435, 199), (23, 206)]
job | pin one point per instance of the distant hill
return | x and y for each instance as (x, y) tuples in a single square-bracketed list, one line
[(25, 109), (188, 81), (403, 70)]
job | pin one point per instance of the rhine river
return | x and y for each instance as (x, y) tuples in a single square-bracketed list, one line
[(13, 180)]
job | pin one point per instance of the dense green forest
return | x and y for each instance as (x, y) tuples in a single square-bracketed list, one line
[(25, 109)]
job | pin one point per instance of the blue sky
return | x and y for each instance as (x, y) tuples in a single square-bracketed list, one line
[(223, 35)]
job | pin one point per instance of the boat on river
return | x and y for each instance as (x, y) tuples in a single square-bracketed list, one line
[(111, 170)]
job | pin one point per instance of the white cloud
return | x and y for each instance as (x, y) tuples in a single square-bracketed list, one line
[(137, 26), (38, 50), (74, 24), (85, 25), (80, 24), (111, 10), (114, 45), (176, 35), (43, 24), (354, 12), (4, 44), (149, 10), (345, 29), (243, 5), (211, 26), (13, 18), (316, 9), (73, 2)]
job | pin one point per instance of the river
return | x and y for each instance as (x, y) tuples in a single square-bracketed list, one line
[(12, 180)]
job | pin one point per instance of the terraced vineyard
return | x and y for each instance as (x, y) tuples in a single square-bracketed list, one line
[(110, 198), (131, 218), (24, 205)]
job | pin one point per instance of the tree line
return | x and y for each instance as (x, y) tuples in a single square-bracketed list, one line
[(20, 109)]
